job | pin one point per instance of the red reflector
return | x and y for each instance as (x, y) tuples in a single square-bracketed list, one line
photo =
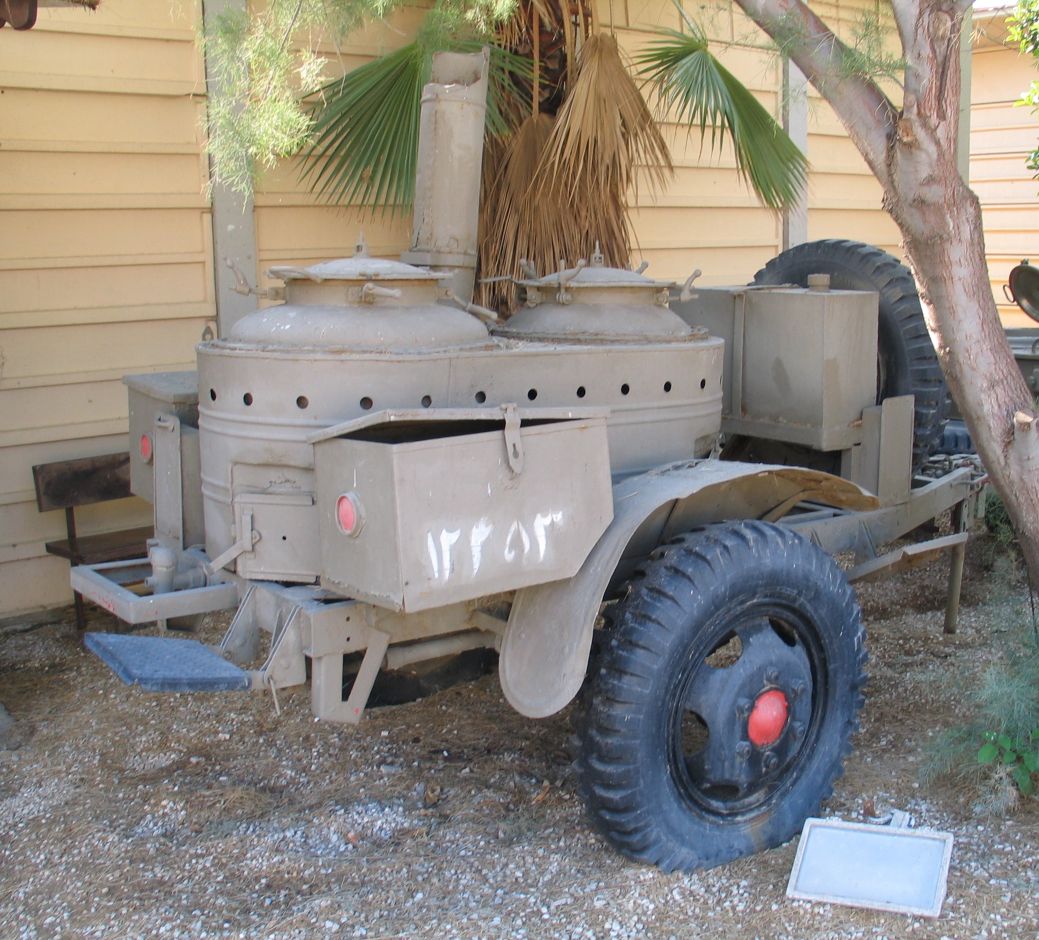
[(145, 448), (348, 516), (767, 718)]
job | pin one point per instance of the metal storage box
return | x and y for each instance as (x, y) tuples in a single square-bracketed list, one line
[(178, 516), (151, 394), (800, 365), (451, 505)]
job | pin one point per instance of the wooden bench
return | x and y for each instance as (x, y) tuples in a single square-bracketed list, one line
[(66, 484)]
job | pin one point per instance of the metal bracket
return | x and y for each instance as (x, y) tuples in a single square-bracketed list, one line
[(563, 295), (513, 438), (104, 585), (241, 642), (247, 538), (285, 665), (169, 497), (326, 682)]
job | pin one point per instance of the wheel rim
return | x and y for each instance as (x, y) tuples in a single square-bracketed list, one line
[(748, 710)]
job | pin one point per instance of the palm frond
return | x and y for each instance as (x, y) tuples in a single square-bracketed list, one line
[(506, 203), (697, 89), (365, 143), (604, 131)]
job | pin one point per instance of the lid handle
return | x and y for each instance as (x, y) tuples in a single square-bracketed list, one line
[(687, 287), (371, 290), (513, 438)]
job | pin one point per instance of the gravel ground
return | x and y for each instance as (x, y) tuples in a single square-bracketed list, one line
[(129, 814)]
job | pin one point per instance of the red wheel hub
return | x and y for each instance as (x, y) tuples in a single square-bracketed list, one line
[(767, 718)]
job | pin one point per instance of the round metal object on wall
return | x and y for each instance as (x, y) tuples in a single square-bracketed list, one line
[(1024, 288), (21, 14)]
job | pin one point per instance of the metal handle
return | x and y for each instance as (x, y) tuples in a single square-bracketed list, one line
[(285, 271), (578, 268), (528, 270), (687, 287), (371, 290), (488, 316), (513, 438), (241, 285)]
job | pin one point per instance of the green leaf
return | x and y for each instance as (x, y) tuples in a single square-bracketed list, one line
[(1004, 742), (700, 91), (1031, 761), (987, 753), (1023, 779), (365, 144)]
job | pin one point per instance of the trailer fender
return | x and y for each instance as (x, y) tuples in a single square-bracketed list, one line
[(544, 653)]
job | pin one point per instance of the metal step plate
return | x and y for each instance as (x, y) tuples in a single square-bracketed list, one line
[(166, 664)]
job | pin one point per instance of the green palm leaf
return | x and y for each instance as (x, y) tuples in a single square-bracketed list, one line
[(365, 142), (699, 90), (366, 132)]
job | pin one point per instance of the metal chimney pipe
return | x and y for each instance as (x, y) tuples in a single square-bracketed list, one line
[(450, 155)]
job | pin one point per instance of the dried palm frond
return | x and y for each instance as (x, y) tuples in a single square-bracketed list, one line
[(507, 206), (524, 216), (604, 130)]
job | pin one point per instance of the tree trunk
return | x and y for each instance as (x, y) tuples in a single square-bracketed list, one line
[(912, 151), (946, 248)]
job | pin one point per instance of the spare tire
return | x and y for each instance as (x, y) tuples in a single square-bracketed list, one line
[(906, 360)]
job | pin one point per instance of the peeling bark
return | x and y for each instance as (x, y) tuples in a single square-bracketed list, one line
[(912, 151)]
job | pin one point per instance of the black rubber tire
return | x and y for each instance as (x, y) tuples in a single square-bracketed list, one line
[(907, 363), (695, 594)]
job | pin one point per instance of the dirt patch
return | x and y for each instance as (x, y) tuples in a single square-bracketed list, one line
[(130, 814)]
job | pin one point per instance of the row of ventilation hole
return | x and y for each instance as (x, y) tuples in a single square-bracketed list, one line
[(366, 403)]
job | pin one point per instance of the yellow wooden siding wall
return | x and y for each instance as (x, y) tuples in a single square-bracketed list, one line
[(105, 251), (1002, 135), (105, 232), (844, 197)]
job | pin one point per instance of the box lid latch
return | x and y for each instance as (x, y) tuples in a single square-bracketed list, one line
[(513, 438)]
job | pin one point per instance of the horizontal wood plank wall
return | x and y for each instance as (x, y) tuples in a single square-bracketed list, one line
[(105, 257), (844, 197), (1002, 135)]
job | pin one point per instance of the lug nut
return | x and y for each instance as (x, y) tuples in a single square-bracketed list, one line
[(743, 750), (770, 761), (797, 690), (798, 728), (772, 676), (743, 707)]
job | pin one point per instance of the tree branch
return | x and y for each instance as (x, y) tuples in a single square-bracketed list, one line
[(865, 110), (906, 12)]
